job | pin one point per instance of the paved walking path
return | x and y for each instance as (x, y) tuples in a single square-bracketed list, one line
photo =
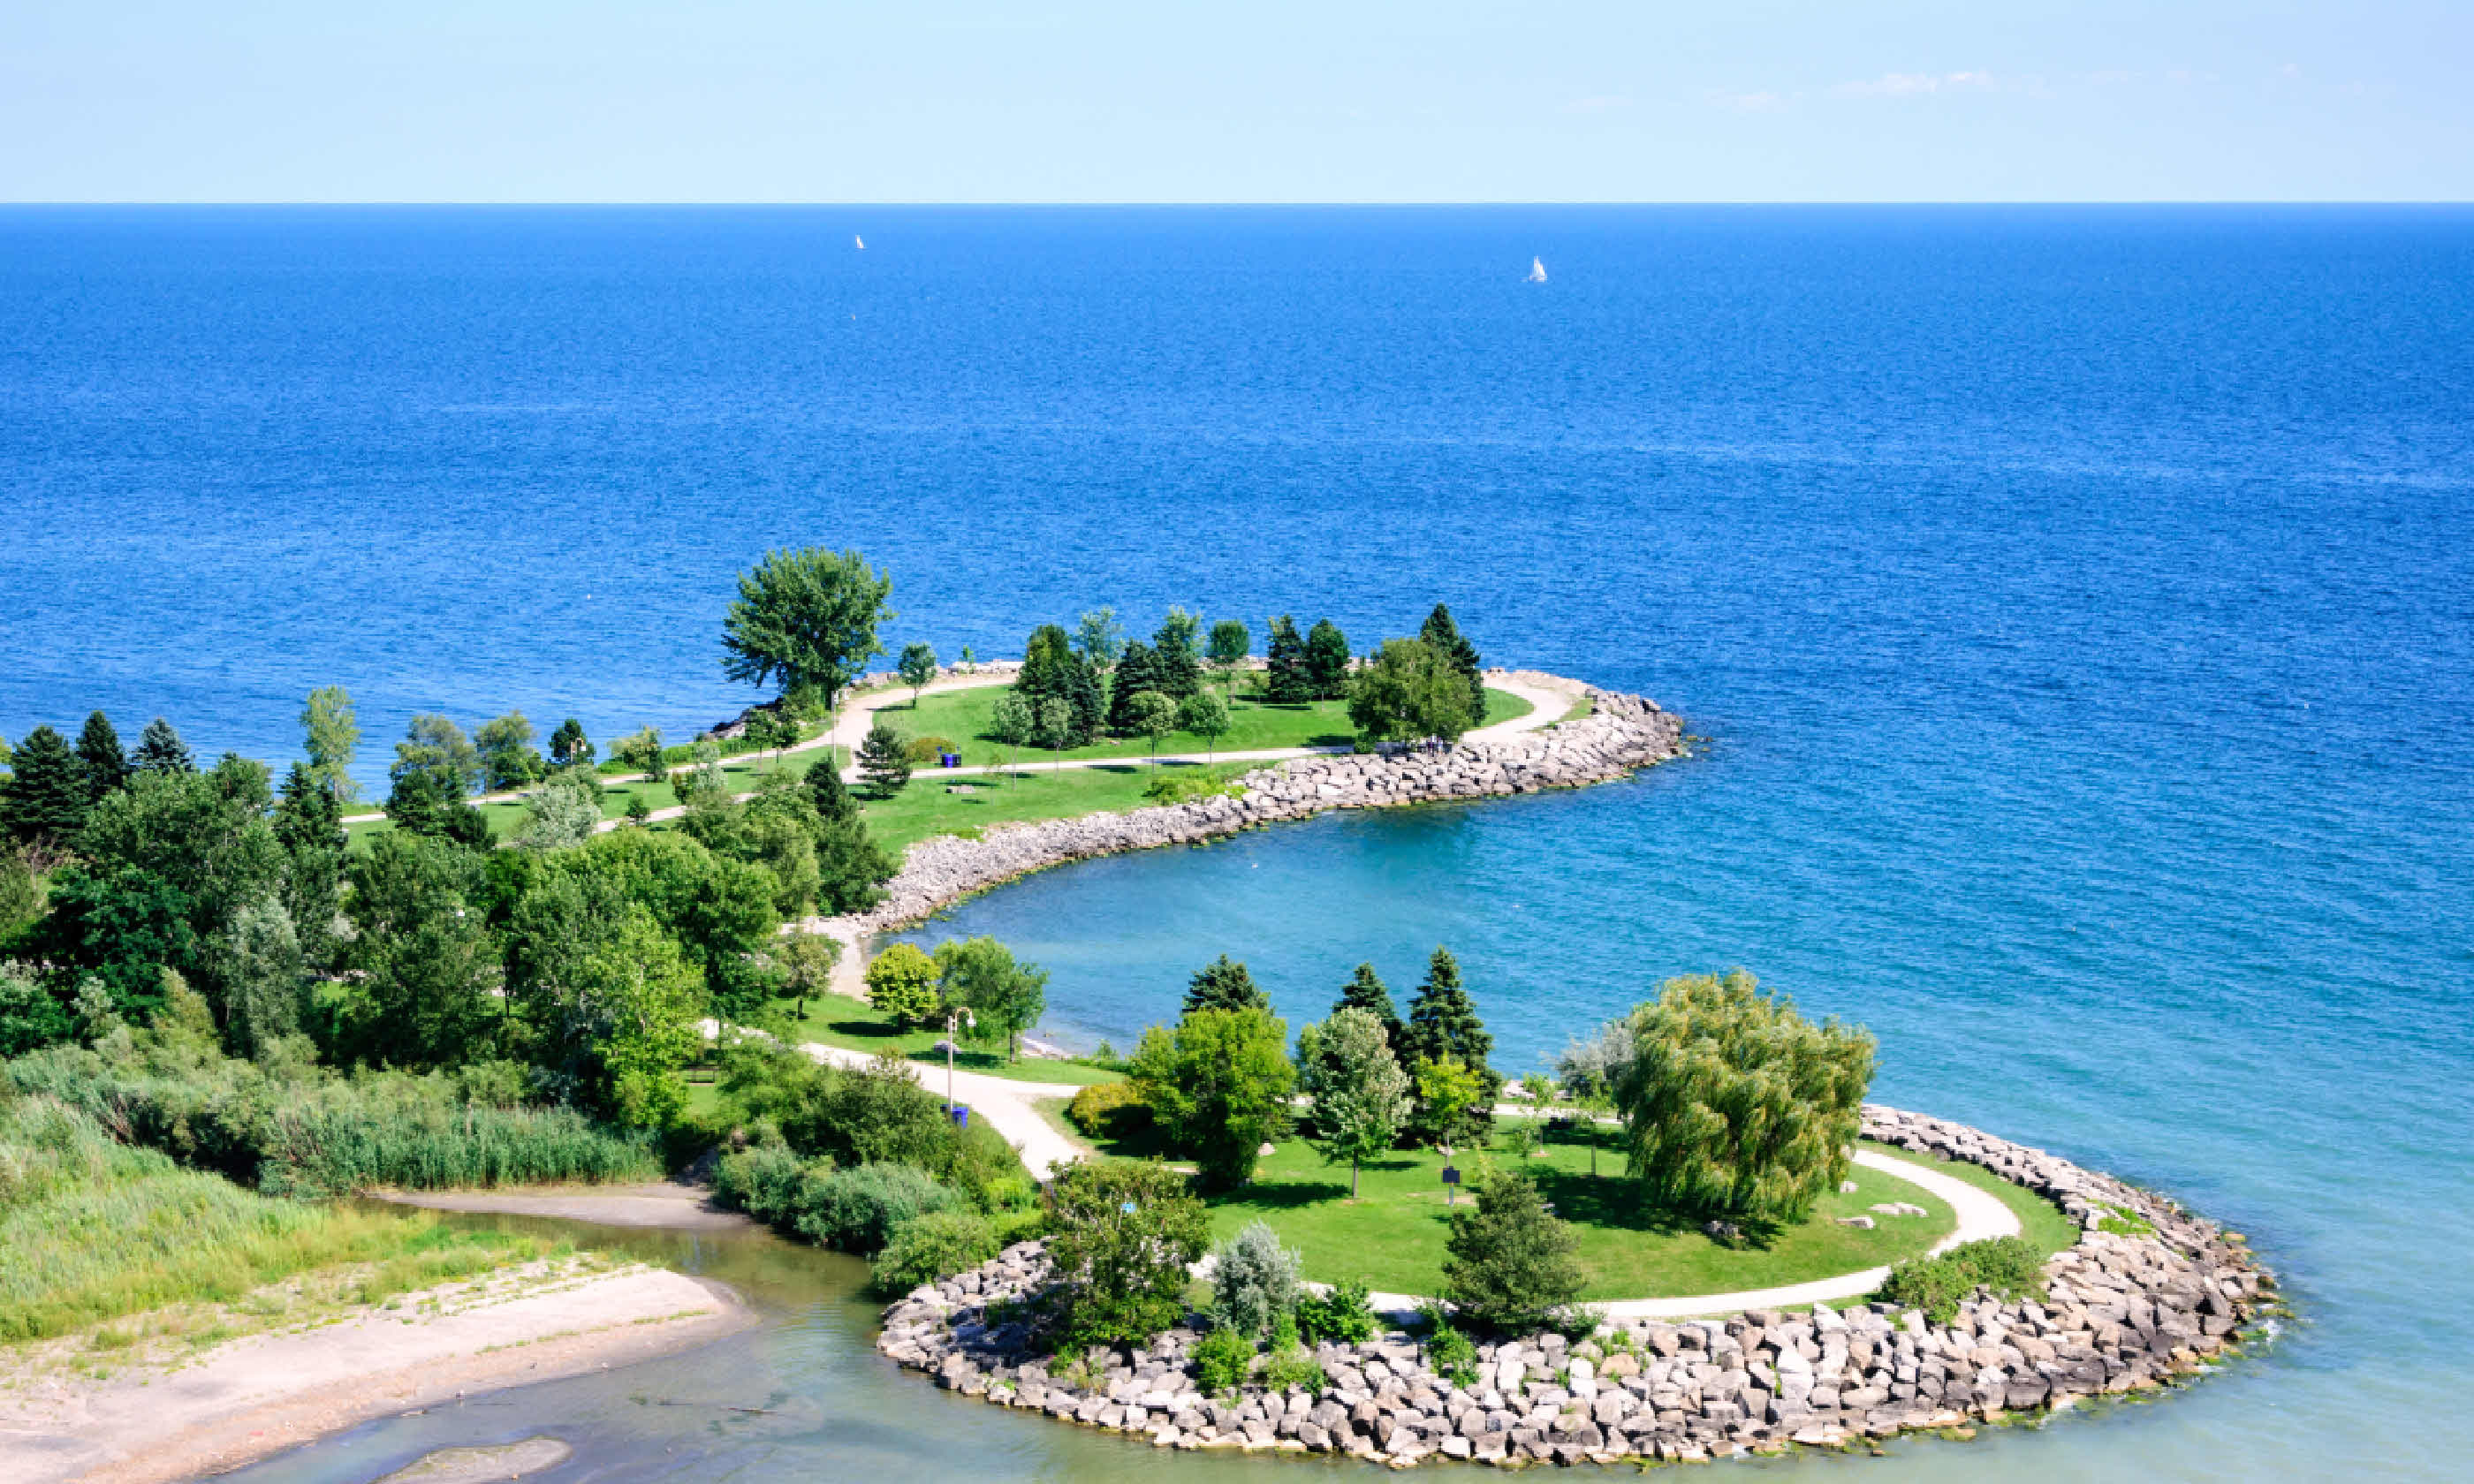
[(1004, 1104)]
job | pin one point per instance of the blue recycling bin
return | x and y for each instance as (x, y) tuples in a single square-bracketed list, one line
[(961, 1116)]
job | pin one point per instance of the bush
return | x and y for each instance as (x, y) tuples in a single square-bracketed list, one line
[(763, 1182), (1345, 1315), (1511, 1264), (1286, 1365), (857, 1209), (933, 1246), (927, 749), (1220, 1360), (1449, 1352), (1109, 1110), (1254, 1280), (2008, 1267), (1186, 783), (1124, 1235)]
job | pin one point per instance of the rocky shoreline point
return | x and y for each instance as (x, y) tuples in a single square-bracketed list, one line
[(2147, 1295), (1622, 733)]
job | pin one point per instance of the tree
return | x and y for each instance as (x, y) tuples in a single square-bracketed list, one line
[(808, 960), (1409, 693), (1326, 661), (568, 746), (333, 735), (505, 745), (1099, 637), (1122, 1236), (100, 759), (161, 749), (827, 790), (885, 761), (1443, 1023), (1177, 671), (265, 979), (30, 1016), (423, 949), (806, 617), (46, 800), (851, 867), (610, 997), (1151, 716), (1448, 1091), (1205, 714), (420, 804), (1222, 984), (1230, 643), (902, 983), (1361, 1095), (1137, 671), (310, 824), (1286, 681), (435, 745), (1253, 1283), (1011, 723), (1218, 1086), (560, 814), (1444, 637), (1054, 674), (769, 731), (917, 667), (1006, 997), (1366, 990), (1591, 1070), (1509, 1267), (1057, 728), (642, 750), (1734, 1103)]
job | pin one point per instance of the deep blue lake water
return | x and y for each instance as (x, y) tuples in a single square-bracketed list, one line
[(2080, 602)]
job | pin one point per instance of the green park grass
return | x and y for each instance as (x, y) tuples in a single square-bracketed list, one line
[(838, 1020), (964, 716)]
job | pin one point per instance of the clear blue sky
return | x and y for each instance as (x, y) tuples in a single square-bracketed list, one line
[(1261, 101)]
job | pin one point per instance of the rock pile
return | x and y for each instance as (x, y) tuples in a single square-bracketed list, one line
[(1623, 734), (2125, 1309)]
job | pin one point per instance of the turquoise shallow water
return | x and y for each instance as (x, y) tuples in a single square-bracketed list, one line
[(2077, 603)]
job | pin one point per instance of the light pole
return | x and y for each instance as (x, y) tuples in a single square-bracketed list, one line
[(961, 1014)]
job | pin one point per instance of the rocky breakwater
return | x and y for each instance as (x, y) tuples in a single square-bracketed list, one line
[(2146, 1295), (1623, 733)]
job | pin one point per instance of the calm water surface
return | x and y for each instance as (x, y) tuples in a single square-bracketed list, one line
[(2079, 603)]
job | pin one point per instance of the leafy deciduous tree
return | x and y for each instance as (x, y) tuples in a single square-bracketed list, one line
[(642, 751), (916, 667), (1205, 714), (505, 745), (333, 735), (902, 983), (1006, 997), (1124, 1235), (1409, 691), (1361, 1095), (1219, 1085), (1099, 637), (1230, 643), (806, 617), (1152, 717), (1448, 1091)]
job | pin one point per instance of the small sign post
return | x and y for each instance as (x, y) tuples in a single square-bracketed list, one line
[(1452, 1183)]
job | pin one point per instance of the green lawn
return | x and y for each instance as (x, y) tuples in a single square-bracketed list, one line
[(925, 809), (962, 717), (743, 773), (838, 1020), (1391, 1238)]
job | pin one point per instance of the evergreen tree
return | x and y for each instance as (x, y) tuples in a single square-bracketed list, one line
[(851, 867), (161, 749), (567, 744), (884, 760), (1137, 671), (46, 800), (1445, 636), (1326, 661), (825, 785), (99, 754), (1177, 669), (1512, 1268), (1285, 682), (1052, 672), (309, 825), (1223, 984), (309, 816), (1443, 1023), (1366, 992)]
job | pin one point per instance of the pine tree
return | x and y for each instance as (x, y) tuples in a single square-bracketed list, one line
[(567, 744), (1326, 661), (161, 750), (99, 754), (1366, 992), (311, 817), (1447, 640), (832, 795), (46, 797), (1285, 680), (883, 760), (1137, 671), (1223, 984), (1443, 1022), (1177, 669)]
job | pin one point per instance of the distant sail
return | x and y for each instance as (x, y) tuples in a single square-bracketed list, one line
[(1536, 270), (859, 242)]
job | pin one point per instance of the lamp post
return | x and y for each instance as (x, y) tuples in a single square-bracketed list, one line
[(961, 1014)]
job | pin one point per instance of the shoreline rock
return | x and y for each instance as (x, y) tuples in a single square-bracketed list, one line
[(2147, 1293), (1623, 734)]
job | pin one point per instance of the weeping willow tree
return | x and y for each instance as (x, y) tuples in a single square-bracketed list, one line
[(1732, 1103)]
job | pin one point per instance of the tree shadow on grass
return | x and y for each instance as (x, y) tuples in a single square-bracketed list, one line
[(1286, 1195), (865, 1030), (1616, 1201)]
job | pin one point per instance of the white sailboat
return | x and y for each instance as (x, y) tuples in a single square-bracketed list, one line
[(1536, 270), (858, 242)]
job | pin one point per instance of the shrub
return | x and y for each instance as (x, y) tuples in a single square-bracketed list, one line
[(936, 1245), (1449, 1352), (1286, 1365), (925, 749), (1220, 1360), (1124, 1234), (1511, 1263), (763, 1182), (1345, 1315), (2007, 1265), (1109, 1110), (858, 1210), (1254, 1281)]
